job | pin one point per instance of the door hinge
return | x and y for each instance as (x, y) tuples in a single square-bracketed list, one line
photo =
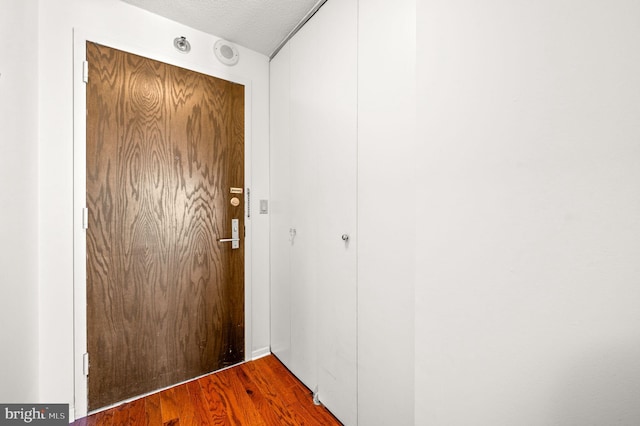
[(85, 363), (85, 71), (249, 202), (85, 218)]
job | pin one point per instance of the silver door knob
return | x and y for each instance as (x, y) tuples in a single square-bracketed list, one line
[(345, 237)]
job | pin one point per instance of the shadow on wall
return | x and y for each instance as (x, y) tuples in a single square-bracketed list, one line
[(602, 388)]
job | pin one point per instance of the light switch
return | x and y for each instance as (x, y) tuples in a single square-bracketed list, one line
[(264, 206)]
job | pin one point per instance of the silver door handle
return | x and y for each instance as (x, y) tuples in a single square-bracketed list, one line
[(235, 235)]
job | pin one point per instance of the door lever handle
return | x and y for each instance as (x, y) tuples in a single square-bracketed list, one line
[(235, 235), (228, 240)]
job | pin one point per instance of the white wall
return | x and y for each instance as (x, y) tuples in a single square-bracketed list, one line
[(386, 211), (19, 201), (528, 271), (128, 25)]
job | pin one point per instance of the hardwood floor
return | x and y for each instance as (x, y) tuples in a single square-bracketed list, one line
[(257, 393)]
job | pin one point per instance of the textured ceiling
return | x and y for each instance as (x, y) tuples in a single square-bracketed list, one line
[(260, 25)]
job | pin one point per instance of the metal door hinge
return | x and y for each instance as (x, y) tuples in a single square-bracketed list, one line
[(85, 363), (85, 71), (249, 202), (85, 218)]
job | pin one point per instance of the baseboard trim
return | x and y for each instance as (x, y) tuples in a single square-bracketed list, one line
[(259, 353)]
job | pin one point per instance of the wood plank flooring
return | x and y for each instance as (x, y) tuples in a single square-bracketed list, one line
[(257, 393)]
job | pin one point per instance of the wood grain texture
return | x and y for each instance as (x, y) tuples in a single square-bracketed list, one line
[(217, 402), (169, 406), (261, 392), (152, 409), (165, 299), (130, 414)]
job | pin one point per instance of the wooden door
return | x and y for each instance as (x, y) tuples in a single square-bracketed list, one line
[(165, 298)]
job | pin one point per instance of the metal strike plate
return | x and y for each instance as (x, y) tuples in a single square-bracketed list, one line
[(235, 233)]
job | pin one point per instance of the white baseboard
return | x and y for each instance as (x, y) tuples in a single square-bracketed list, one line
[(259, 353)]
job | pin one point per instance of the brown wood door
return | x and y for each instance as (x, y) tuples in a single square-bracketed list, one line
[(165, 299)]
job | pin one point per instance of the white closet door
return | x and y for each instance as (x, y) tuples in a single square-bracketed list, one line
[(280, 207), (336, 94), (304, 206), (314, 164), (293, 224), (324, 136)]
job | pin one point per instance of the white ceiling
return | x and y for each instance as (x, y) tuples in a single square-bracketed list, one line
[(260, 25)]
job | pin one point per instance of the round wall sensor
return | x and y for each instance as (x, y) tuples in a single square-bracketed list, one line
[(226, 52)]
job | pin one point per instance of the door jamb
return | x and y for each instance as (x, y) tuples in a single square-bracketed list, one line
[(80, 39)]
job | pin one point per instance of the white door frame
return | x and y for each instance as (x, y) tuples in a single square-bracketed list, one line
[(80, 39)]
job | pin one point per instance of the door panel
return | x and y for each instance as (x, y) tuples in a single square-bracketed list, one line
[(281, 226), (304, 213), (335, 95), (314, 169), (165, 299)]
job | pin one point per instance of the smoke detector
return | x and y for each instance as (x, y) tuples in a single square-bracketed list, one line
[(226, 52)]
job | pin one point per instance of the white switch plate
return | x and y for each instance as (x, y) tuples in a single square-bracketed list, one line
[(264, 206)]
